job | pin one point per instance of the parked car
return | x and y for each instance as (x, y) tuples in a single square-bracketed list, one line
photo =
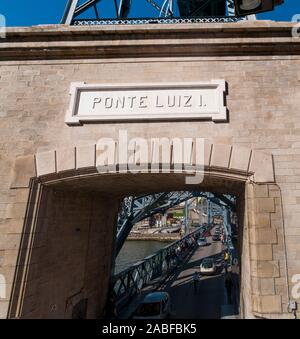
[(216, 237), (217, 232), (202, 242), (155, 305), (208, 266), (207, 233)]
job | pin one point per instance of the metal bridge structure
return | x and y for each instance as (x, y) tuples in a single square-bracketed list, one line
[(116, 12), (154, 268), (128, 283), (135, 209), (120, 12)]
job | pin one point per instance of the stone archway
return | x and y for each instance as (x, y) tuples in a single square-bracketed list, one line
[(71, 179)]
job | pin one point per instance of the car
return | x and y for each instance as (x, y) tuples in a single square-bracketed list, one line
[(189, 241), (216, 237), (208, 266), (202, 242), (155, 305), (207, 234)]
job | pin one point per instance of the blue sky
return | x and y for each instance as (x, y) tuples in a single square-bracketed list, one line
[(35, 12)]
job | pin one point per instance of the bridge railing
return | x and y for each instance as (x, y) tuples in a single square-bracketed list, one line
[(129, 282), (144, 21)]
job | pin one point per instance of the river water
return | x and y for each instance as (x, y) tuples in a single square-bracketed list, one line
[(135, 250)]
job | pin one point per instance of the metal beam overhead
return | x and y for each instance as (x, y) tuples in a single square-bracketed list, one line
[(135, 209), (174, 10), (85, 6), (69, 12)]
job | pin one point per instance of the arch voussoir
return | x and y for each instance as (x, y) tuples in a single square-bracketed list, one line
[(217, 157)]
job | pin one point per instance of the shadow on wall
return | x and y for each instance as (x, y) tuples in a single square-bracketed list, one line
[(63, 266)]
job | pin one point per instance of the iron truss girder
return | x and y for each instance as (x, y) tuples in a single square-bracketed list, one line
[(145, 21), (165, 12), (135, 209), (85, 6)]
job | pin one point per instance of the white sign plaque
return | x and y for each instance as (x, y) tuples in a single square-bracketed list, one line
[(138, 102)]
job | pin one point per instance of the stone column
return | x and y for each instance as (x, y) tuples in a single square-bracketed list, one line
[(267, 263)]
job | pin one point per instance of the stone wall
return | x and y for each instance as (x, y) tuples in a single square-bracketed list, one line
[(259, 61), (267, 250), (65, 254)]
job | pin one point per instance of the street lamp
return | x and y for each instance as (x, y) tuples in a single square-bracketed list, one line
[(248, 7)]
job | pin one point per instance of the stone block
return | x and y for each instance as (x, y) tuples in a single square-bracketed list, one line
[(267, 304), (263, 236), (106, 155), (220, 156), (262, 220), (240, 158), (3, 308), (21, 195), (261, 191), (6, 290), (251, 218), (250, 191), (280, 286), (45, 163), (261, 252), (263, 286), (265, 269), (160, 154), (274, 193), (197, 162), (11, 226), (207, 153), (65, 159), (292, 231), (11, 256), (10, 241), (86, 156), (267, 286), (8, 272), (16, 211), (23, 171), (261, 165), (139, 155), (263, 205)]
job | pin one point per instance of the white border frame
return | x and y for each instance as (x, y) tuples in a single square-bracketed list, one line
[(73, 118)]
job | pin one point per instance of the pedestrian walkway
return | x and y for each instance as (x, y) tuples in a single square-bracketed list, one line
[(207, 301)]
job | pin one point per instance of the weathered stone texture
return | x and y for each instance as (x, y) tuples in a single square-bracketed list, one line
[(76, 245), (262, 136)]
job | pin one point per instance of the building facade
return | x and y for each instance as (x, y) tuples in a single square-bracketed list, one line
[(59, 202)]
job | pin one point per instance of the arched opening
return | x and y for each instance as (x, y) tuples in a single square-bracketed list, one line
[(67, 248), (68, 239), (197, 272)]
